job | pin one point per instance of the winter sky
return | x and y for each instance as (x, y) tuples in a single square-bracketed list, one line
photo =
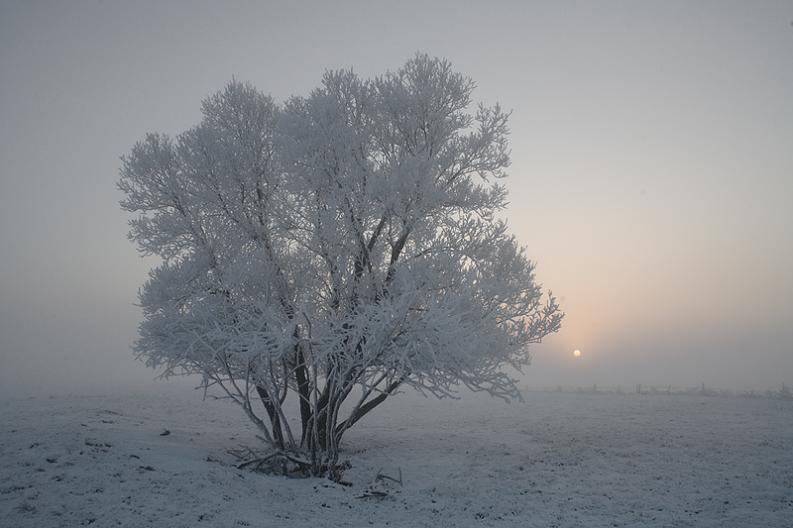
[(652, 175)]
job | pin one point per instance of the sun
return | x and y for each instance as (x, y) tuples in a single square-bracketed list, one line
[(576, 353)]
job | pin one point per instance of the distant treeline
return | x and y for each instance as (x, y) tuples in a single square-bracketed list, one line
[(784, 393)]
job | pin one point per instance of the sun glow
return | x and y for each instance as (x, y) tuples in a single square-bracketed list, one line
[(576, 353)]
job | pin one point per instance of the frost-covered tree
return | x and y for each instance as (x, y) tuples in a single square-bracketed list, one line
[(333, 249)]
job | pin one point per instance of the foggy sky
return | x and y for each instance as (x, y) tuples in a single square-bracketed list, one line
[(652, 175)]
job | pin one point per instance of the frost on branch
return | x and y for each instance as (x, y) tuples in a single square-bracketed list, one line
[(333, 249)]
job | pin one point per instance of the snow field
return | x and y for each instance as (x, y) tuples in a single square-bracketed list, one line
[(557, 460)]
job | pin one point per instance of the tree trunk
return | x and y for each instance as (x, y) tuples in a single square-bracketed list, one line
[(275, 420), (301, 375)]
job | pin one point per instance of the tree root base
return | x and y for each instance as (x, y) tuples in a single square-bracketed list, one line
[(292, 464)]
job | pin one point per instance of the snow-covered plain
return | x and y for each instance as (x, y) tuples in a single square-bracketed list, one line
[(557, 460)]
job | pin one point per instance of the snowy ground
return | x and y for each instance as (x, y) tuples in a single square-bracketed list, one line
[(557, 460)]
